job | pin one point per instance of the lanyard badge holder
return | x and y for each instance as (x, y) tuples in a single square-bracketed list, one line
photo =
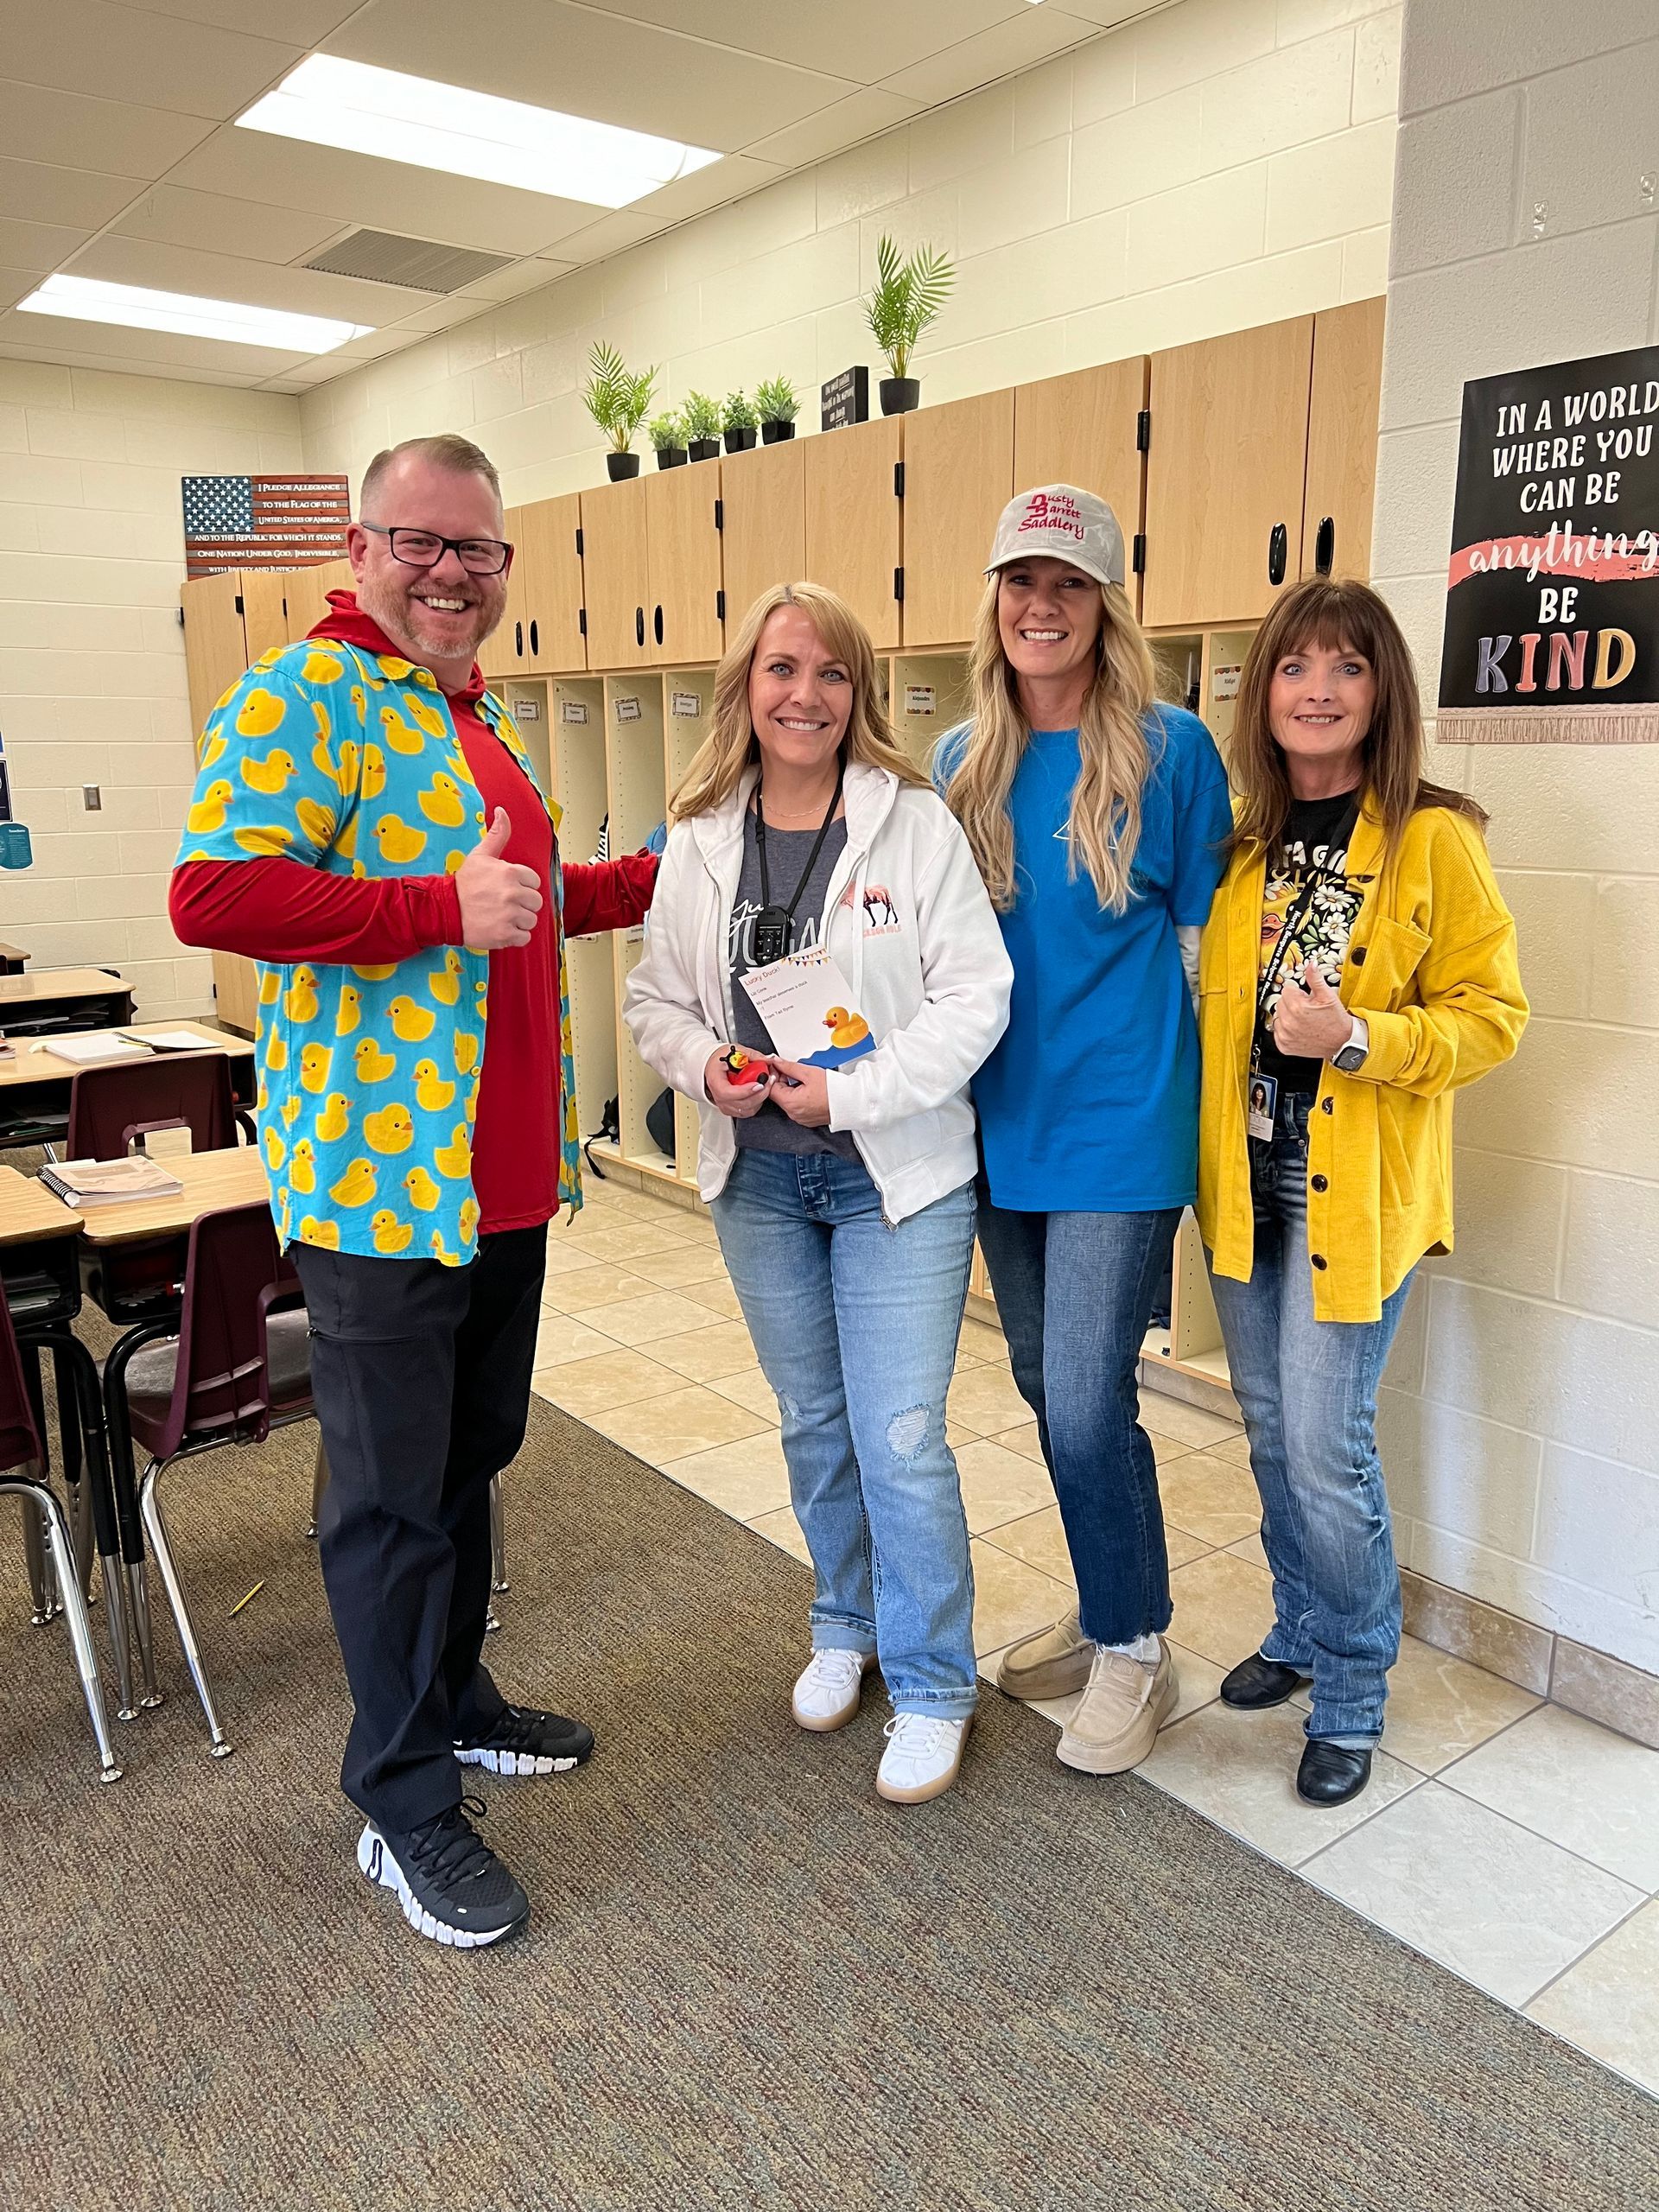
[(774, 926)]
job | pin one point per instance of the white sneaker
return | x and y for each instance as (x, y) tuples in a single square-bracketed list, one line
[(826, 1695), (921, 1760)]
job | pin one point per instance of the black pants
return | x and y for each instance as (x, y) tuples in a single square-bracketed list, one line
[(421, 1375)]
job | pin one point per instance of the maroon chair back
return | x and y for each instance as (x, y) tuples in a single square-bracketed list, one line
[(234, 1275), (109, 1105), (20, 1440)]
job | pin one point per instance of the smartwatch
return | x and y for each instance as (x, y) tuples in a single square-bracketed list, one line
[(1352, 1056)]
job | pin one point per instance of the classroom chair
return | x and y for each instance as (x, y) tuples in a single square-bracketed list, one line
[(110, 1106)]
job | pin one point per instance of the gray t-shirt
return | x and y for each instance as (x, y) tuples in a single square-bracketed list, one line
[(787, 851)]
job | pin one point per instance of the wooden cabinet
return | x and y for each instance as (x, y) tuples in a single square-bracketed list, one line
[(215, 650), (551, 586), (614, 573), (1225, 474), (506, 650), (264, 612), (307, 592), (1342, 419), (958, 477), (1082, 430), (683, 606), (763, 537), (854, 520)]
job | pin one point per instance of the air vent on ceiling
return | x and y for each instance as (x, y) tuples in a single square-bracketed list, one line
[(419, 265)]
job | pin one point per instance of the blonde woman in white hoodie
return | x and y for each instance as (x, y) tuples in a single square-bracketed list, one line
[(843, 1196)]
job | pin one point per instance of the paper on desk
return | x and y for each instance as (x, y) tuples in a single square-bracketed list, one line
[(88, 1048), (170, 1041)]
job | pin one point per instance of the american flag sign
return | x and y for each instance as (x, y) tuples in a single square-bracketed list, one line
[(262, 522)]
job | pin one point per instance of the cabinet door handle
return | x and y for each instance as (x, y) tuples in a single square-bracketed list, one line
[(639, 626), (657, 625), (1324, 545), (1277, 551), (534, 642), (518, 641)]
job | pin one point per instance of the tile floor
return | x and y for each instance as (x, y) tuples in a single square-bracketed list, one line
[(1510, 1840)]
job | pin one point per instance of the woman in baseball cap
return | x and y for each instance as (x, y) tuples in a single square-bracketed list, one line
[(1098, 820)]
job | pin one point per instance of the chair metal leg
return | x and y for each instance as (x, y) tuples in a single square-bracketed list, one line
[(115, 1618), (139, 1600), (155, 1527), (84, 1382), (318, 1483), (53, 1529), (42, 1598), (497, 1536)]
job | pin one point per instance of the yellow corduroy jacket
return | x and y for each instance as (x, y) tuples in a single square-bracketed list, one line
[(1432, 969)]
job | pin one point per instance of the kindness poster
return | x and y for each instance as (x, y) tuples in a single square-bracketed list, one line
[(1551, 600)]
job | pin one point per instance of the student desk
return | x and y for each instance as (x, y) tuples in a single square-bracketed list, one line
[(34, 1086), (61, 999), (13, 959)]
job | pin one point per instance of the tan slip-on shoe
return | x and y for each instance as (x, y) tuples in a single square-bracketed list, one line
[(1117, 1720), (1052, 1663)]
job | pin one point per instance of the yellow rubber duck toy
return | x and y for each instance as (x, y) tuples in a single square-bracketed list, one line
[(392, 1129), (390, 1235), (398, 733), (301, 998), (334, 1119), (845, 1028), (319, 823), (275, 1151), (321, 667), (441, 803), (325, 1233), (374, 771), (359, 704), (271, 774), (269, 842), (422, 1191), (432, 1093), (260, 713), (455, 1159), (349, 1011), (302, 1167), (209, 812), (426, 715), (315, 1060), (372, 1064), (468, 1220), (356, 1186), (444, 983), (396, 841), (412, 1022)]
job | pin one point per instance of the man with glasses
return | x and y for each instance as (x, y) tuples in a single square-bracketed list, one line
[(365, 825)]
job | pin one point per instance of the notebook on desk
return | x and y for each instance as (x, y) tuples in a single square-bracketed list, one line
[(106, 1182), (90, 1048)]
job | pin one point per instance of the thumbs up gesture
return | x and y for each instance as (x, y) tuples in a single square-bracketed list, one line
[(1310, 1021), (499, 899)]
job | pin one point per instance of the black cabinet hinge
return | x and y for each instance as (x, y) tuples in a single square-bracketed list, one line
[(578, 544), (720, 606), (240, 607), (1138, 561), (1143, 431), (582, 620), (899, 583), (720, 514), (897, 480)]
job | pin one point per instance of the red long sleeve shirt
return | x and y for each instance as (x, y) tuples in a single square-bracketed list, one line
[(281, 910)]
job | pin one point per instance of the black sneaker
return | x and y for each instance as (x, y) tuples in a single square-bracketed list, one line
[(523, 1741), (451, 1885)]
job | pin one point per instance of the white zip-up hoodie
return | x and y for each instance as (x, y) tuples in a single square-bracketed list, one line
[(911, 928)]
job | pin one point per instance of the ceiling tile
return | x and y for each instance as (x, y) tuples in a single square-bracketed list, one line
[(17, 284), (580, 62), (155, 352), (442, 314), (1106, 14), (37, 245), (227, 277), (829, 130), (303, 22), (516, 279), (871, 38), (1025, 38), (36, 192), (120, 54), (733, 179), (386, 195), (113, 137), (613, 233), (14, 348), (168, 215)]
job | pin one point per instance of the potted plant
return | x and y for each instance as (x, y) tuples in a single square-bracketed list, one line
[(907, 296), (701, 426), (618, 401), (667, 435), (739, 421), (777, 403)]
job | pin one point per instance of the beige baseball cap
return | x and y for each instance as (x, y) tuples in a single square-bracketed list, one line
[(1063, 522)]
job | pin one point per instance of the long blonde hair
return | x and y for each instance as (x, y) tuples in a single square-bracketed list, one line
[(717, 768), (1105, 820)]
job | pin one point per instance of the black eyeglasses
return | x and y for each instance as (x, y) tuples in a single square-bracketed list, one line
[(425, 548)]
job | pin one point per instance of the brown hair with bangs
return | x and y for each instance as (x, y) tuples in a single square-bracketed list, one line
[(1340, 616)]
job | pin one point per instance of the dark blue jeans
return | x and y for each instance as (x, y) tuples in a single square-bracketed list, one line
[(1073, 1293)]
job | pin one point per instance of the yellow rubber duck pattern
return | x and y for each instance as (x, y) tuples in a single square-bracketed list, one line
[(348, 761)]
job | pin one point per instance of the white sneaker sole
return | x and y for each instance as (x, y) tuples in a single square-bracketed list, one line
[(375, 1857), (825, 1724), (924, 1790), (515, 1763)]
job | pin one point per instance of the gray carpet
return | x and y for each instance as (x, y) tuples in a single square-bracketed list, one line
[(748, 1983)]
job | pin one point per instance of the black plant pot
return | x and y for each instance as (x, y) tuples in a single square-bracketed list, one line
[(670, 457), (620, 466), (773, 433), (900, 395), (739, 441), (703, 448)]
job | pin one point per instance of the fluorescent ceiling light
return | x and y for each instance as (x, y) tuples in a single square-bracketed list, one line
[(381, 112), (86, 299)]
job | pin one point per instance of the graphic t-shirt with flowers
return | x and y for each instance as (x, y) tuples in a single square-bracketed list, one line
[(1312, 856)]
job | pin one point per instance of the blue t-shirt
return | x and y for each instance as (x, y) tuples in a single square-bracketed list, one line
[(1090, 1103)]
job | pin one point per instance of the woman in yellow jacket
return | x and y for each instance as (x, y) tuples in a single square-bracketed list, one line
[(1358, 965)]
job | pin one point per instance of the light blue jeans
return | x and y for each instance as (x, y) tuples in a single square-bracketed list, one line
[(1307, 1390), (855, 1325)]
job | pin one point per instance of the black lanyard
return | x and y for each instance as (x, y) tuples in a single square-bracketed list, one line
[(774, 926)]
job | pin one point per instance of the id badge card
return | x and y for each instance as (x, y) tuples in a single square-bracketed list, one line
[(1263, 1102)]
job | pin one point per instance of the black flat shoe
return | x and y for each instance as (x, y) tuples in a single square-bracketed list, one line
[(1330, 1774), (1255, 1683)]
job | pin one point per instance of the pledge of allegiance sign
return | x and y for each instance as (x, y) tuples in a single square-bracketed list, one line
[(1551, 603)]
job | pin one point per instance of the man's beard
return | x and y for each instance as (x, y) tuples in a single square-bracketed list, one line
[(404, 622)]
